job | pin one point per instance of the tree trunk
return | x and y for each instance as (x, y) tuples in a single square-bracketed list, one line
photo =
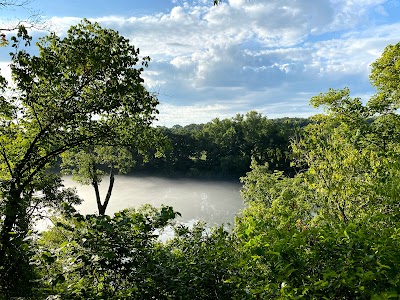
[(13, 263), (97, 192), (108, 196), (11, 213), (102, 207)]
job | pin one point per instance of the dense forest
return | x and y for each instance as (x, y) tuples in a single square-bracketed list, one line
[(225, 148), (322, 195)]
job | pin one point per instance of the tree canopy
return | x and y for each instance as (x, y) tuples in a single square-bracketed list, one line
[(82, 90)]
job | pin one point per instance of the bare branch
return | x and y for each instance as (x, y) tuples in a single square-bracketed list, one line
[(32, 21), (14, 3)]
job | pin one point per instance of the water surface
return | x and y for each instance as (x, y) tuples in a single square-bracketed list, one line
[(214, 201)]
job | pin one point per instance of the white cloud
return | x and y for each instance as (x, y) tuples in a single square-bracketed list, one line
[(269, 55), (188, 114)]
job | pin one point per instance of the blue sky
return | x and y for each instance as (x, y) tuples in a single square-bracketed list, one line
[(266, 55)]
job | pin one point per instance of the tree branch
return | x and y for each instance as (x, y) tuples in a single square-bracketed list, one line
[(108, 196), (4, 154)]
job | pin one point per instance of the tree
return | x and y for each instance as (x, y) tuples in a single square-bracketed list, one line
[(350, 153), (82, 90), (90, 165), (385, 77), (119, 257), (332, 231)]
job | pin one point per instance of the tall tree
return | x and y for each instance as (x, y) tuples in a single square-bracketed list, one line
[(81, 90), (90, 165), (385, 76), (332, 231), (349, 153)]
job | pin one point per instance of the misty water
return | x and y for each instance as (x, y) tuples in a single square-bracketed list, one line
[(213, 201)]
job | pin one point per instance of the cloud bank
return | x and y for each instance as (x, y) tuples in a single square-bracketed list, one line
[(271, 56)]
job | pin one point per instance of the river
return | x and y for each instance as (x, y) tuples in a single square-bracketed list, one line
[(214, 201)]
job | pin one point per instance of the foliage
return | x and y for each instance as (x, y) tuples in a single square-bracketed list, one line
[(385, 77), (102, 257), (344, 261), (201, 264), (330, 232), (291, 250), (98, 257), (352, 158), (225, 147), (82, 90)]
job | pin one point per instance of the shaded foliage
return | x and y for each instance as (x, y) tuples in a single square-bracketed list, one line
[(226, 147), (120, 257)]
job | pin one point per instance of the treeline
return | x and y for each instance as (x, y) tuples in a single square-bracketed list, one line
[(226, 147)]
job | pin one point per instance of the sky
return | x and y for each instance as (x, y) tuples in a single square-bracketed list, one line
[(211, 61)]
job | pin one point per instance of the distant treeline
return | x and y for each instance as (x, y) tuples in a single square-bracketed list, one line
[(226, 147)]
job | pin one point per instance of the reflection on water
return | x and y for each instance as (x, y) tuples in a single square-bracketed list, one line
[(215, 202)]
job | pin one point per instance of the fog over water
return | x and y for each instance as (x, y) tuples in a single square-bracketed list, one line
[(216, 202)]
